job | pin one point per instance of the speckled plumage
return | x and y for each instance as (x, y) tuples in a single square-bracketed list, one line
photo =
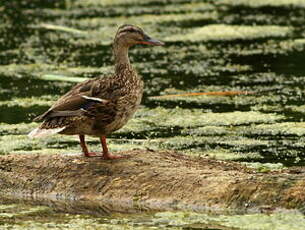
[(100, 106), (122, 92)]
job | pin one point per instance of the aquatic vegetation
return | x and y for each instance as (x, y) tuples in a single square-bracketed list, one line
[(46, 100), (231, 32), (262, 3), (281, 129), (41, 217), (105, 25), (185, 118), (11, 129), (52, 77), (265, 167)]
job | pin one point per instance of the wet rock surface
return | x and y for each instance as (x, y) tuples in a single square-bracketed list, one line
[(150, 181)]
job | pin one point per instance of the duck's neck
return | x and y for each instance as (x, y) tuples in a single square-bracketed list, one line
[(121, 59)]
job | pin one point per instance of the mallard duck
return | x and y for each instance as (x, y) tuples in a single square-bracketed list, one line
[(100, 106)]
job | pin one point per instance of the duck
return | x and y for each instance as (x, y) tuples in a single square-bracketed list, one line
[(97, 107)]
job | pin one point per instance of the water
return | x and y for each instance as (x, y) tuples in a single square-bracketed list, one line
[(64, 216), (255, 46)]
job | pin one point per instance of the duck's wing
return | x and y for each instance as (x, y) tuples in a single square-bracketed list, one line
[(78, 100)]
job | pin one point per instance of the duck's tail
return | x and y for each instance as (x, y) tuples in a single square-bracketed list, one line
[(39, 132)]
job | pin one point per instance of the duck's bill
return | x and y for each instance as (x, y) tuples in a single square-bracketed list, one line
[(151, 41)]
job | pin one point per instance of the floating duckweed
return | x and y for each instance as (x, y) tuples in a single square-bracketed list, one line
[(265, 167), (231, 32), (142, 20), (244, 142), (195, 118), (20, 70), (262, 3), (225, 154), (61, 28), (97, 3), (281, 220), (53, 77), (51, 72), (284, 128), (10, 143), (11, 129), (26, 217), (300, 108), (208, 131), (8, 207), (46, 100), (185, 118)]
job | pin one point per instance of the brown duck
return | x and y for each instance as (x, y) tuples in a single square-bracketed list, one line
[(100, 106)]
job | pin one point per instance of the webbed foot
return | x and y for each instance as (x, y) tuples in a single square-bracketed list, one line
[(93, 154)]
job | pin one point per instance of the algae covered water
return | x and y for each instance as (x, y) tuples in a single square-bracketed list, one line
[(26, 216), (224, 45)]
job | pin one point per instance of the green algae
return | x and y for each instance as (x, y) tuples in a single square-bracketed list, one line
[(265, 167), (262, 3), (194, 118), (11, 129), (250, 221), (61, 28), (53, 77), (17, 142), (51, 72), (225, 154), (285, 129), (118, 2), (41, 217), (261, 221), (46, 100), (104, 24), (231, 32)]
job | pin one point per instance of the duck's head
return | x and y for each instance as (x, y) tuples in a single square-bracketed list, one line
[(129, 35)]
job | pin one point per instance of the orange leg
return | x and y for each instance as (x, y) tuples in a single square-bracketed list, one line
[(85, 149), (106, 154)]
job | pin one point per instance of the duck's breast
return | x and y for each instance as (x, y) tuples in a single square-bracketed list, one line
[(126, 108)]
